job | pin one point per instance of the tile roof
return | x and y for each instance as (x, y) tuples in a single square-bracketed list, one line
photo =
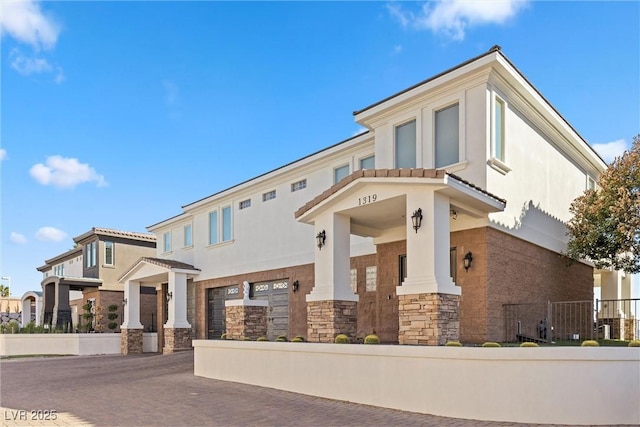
[(147, 237), (168, 263)]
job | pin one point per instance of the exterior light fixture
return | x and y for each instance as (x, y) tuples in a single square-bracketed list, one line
[(169, 296), (454, 214), (468, 258), (124, 301), (295, 285), (320, 239), (416, 219)]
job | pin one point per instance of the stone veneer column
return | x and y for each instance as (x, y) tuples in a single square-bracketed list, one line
[(177, 330), (246, 319), (326, 319), (131, 341), (428, 319), (131, 328)]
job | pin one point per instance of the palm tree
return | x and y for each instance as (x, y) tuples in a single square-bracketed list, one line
[(4, 291)]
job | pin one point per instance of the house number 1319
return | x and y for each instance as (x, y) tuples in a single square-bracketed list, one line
[(367, 199)]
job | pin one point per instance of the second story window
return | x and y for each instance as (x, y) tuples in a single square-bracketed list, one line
[(405, 144), (447, 139), (187, 236), (300, 185), (269, 195), (213, 227), (90, 254), (226, 224), (108, 253), (244, 204), (368, 162), (498, 130), (166, 239), (340, 173)]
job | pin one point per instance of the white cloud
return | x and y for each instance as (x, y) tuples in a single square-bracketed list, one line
[(63, 172), (17, 238), (24, 21), (451, 18), (3, 154), (610, 150), (26, 66), (50, 234)]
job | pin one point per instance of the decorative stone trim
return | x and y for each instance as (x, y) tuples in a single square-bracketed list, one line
[(130, 341), (176, 339), (326, 319), (246, 321), (428, 319)]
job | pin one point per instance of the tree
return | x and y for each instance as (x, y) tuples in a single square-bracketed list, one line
[(605, 227), (4, 291)]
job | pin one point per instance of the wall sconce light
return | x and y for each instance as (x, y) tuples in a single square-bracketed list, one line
[(124, 301), (468, 258), (416, 219), (320, 239), (295, 285), (454, 214), (169, 296)]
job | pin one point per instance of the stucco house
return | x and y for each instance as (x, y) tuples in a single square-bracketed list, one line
[(91, 269), (450, 204)]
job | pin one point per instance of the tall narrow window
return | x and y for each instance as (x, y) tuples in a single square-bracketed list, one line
[(368, 163), (90, 253), (447, 136), (87, 254), (340, 173), (453, 264), (498, 130), (402, 268), (406, 145), (213, 227), (108, 253), (166, 238), (226, 224), (187, 236)]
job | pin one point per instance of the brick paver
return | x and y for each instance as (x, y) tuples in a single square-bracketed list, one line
[(157, 390)]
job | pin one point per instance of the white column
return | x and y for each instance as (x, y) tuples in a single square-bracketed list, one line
[(332, 261), (177, 315), (26, 312), (428, 248), (132, 307), (625, 293), (38, 310)]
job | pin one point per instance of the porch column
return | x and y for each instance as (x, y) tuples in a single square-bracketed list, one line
[(428, 299), (25, 318), (331, 305), (38, 310), (131, 328), (61, 308), (177, 330), (48, 297)]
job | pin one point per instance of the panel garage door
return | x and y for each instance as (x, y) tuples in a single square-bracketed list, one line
[(277, 293), (215, 309)]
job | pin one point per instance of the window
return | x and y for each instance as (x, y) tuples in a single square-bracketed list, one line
[(90, 253), (453, 264), (402, 268), (340, 173), (406, 145), (591, 183), (300, 185), (108, 253), (446, 136), (269, 196), (167, 241), (213, 227), (187, 236), (368, 162), (371, 276), (244, 204), (498, 130), (226, 223)]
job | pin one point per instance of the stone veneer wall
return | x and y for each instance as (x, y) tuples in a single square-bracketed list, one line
[(326, 319), (176, 339), (246, 321), (428, 319), (131, 341)]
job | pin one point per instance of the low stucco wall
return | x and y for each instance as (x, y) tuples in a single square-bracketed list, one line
[(564, 385), (75, 344)]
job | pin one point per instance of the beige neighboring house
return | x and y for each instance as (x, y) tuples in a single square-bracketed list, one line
[(88, 273)]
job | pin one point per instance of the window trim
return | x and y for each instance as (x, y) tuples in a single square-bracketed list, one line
[(497, 162), (184, 235), (434, 111), (230, 210), (342, 166), (416, 145), (166, 242), (112, 244), (215, 228)]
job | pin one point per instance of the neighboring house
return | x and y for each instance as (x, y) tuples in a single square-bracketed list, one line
[(91, 268), (451, 204)]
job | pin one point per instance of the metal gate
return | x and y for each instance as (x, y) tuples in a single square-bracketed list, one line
[(215, 309), (277, 294)]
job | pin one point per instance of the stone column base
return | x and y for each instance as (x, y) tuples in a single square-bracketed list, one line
[(326, 319), (428, 319), (246, 321), (131, 341), (176, 339)]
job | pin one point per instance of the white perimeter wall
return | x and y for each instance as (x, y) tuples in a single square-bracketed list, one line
[(74, 344), (564, 385)]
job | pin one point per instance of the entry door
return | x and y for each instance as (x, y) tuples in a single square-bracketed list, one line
[(277, 294), (215, 309)]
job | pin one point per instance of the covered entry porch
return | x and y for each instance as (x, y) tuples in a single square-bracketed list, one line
[(391, 205), (55, 299)]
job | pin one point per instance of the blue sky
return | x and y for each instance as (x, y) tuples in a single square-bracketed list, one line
[(115, 114)]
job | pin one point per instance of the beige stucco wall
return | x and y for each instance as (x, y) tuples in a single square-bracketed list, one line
[(74, 344), (564, 385), (126, 253)]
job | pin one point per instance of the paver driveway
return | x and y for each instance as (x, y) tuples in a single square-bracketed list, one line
[(157, 390)]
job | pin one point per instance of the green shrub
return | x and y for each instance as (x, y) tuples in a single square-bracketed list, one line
[(246, 339), (529, 344), (112, 326), (491, 344), (453, 344), (297, 339), (341, 339), (113, 307), (223, 336), (262, 339), (112, 316), (372, 339), (590, 343), (634, 343), (282, 338)]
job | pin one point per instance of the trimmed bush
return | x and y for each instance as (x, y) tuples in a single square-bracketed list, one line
[(281, 338), (223, 336), (372, 339), (297, 339), (634, 343), (262, 339), (590, 343), (453, 344), (529, 344), (341, 339), (112, 325), (246, 339), (491, 344)]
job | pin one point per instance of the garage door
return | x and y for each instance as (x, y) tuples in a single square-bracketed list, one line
[(215, 309), (277, 294)]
